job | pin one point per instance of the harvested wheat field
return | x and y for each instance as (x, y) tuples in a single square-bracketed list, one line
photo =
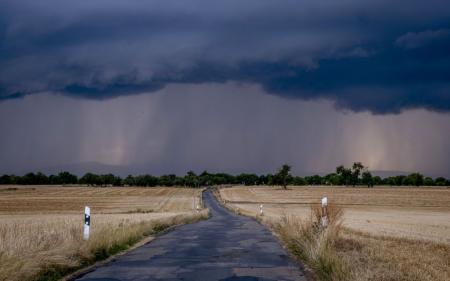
[(418, 213), (56, 199), (395, 234), (41, 229)]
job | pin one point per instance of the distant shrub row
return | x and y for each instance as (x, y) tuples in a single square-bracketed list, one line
[(356, 175)]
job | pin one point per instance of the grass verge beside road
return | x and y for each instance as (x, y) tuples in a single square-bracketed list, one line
[(338, 253), (49, 254), (343, 253), (41, 234)]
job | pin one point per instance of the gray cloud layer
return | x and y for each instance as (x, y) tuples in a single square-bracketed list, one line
[(380, 56), (227, 127)]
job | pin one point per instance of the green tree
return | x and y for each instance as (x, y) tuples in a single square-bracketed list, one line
[(28, 179), (299, 181), (367, 178), (146, 180), (247, 179), (332, 179), (315, 180), (129, 180), (191, 179), (356, 172), (414, 179), (179, 181), (345, 174), (283, 174), (428, 181), (221, 178), (41, 179), (6, 179), (270, 179), (395, 180), (440, 181), (91, 179), (67, 178), (205, 178), (377, 180), (167, 180), (262, 179)]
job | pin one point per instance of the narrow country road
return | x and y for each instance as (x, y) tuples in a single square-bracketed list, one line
[(225, 247)]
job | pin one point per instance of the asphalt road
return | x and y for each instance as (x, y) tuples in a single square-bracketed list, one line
[(225, 247)]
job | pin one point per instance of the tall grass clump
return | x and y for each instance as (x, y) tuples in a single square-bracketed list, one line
[(314, 244)]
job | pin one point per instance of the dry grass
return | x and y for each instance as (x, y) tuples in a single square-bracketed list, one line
[(48, 243), (56, 199), (385, 234), (423, 198), (314, 244), (415, 213), (383, 258), (337, 253)]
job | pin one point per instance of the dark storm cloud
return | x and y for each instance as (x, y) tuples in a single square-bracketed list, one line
[(221, 127), (417, 39), (363, 55)]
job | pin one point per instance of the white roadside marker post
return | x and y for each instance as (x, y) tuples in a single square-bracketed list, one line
[(324, 211), (87, 222), (198, 208), (261, 210)]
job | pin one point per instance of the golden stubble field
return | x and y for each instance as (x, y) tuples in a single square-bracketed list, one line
[(395, 234), (417, 213), (41, 226)]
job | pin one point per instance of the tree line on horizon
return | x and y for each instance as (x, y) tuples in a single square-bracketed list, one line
[(356, 175)]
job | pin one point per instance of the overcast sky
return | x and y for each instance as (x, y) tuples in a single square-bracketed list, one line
[(225, 85)]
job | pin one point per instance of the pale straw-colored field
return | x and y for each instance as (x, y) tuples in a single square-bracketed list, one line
[(41, 227), (105, 200), (417, 213), (395, 234)]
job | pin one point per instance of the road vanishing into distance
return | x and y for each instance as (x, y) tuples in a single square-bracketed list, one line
[(225, 247)]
